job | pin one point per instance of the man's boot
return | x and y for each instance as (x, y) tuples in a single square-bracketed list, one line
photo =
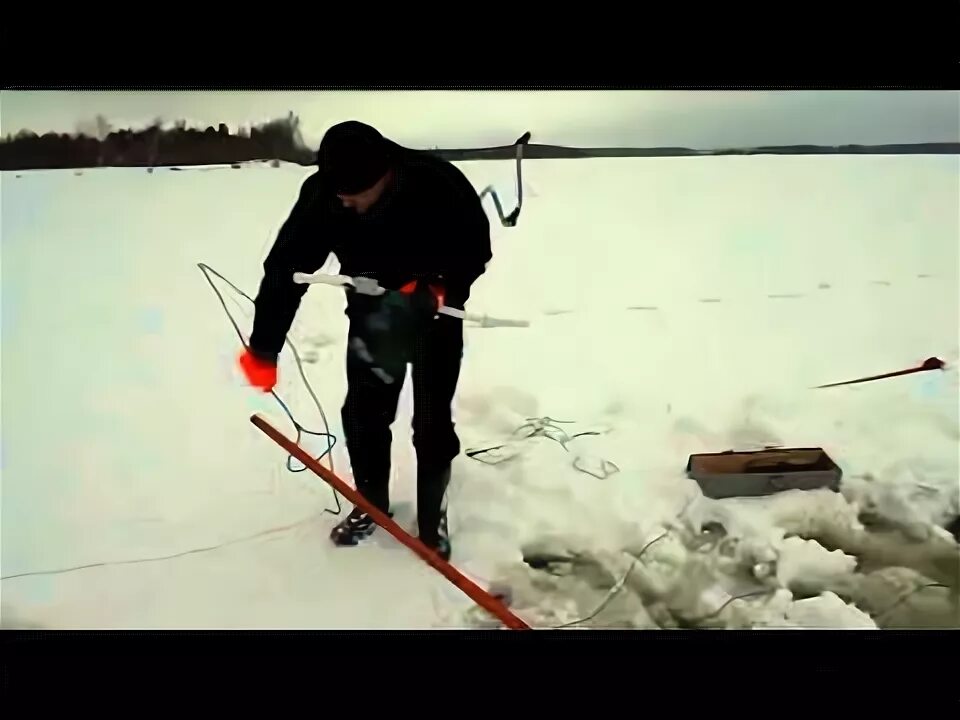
[(358, 525), (353, 528), (431, 509)]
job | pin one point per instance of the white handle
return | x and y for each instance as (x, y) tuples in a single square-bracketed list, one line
[(369, 286), (483, 320), (322, 278)]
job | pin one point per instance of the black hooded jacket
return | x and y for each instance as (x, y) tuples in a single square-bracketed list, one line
[(429, 224)]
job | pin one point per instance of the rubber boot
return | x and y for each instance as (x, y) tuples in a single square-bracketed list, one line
[(431, 510)]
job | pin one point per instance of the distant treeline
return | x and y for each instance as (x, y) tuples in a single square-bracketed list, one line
[(280, 140), (155, 146)]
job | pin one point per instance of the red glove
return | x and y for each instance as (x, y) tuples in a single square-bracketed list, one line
[(260, 373)]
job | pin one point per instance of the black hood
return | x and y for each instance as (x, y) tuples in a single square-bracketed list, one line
[(353, 156)]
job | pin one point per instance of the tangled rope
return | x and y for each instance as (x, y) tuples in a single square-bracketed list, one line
[(541, 427), (301, 431)]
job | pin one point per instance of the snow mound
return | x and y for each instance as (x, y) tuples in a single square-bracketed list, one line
[(917, 495), (827, 611)]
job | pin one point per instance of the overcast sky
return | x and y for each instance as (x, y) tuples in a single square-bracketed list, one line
[(639, 118)]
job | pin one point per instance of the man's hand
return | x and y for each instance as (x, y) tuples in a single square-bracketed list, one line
[(424, 290), (386, 334), (260, 373)]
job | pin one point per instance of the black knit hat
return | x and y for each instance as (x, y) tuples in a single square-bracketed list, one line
[(353, 157)]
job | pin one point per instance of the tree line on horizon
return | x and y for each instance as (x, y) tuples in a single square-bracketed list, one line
[(98, 145)]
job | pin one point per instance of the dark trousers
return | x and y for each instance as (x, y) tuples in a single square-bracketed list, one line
[(371, 407)]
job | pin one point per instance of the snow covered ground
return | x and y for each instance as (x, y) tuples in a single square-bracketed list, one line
[(677, 306)]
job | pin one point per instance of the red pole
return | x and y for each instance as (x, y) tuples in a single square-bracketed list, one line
[(929, 364), (480, 596)]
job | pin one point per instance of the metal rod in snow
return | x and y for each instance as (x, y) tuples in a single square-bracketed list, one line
[(511, 219)]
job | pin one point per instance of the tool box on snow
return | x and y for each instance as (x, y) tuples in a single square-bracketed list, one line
[(763, 472)]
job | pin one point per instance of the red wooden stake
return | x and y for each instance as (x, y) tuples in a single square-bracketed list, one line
[(929, 364), (480, 596)]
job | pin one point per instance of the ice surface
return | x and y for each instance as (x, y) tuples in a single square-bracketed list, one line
[(126, 430)]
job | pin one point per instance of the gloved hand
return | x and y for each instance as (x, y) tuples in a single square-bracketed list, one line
[(427, 297), (260, 373), (386, 335)]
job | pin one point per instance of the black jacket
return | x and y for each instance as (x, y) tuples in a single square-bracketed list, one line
[(430, 224)]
